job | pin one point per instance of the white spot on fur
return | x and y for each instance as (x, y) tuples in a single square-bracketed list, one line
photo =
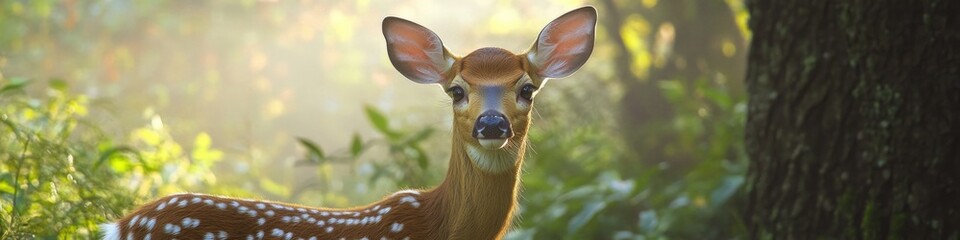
[(261, 221), (269, 213), (384, 211), (259, 234), (329, 229), (195, 200), (411, 200), (173, 200), (146, 237), (171, 229), (208, 202), (130, 236), (161, 206), (133, 220), (234, 204), (261, 206), (276, 232), (252, 213), (208, 236), (183, 203), (110, 231), (221, 206), (396, 227), (222, 235), (190, 222), (151, 223)]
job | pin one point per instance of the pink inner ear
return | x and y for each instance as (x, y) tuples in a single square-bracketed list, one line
[(565, 44), (416, 52), (570, 36)]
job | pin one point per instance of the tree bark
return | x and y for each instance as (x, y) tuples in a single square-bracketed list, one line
[(853, 126)]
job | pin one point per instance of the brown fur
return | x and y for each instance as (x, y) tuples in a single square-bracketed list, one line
[(491, 66), (468, 204), (471, 202)]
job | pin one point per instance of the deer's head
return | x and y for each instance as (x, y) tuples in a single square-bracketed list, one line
[(492, 89)]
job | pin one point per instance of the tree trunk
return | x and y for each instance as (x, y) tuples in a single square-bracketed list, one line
[(853, 126)]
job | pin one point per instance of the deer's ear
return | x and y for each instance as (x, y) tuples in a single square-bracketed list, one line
[(416, 51), (564, 44)]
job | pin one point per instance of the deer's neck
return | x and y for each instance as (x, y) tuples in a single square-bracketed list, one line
[(475, 204)]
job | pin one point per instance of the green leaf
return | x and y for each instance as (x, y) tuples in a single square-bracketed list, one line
[(274, 188), (14, 84), (6, 188), (314, 152), (420, 136), (202, 141), (421, 157), (380, 122), (356, 145), (58, 84), (112, 151), (584, 216), (727, 188), (201, 149), (648, 220)]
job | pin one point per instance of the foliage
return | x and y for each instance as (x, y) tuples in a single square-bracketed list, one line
[(248, 73), (60, 176), (575, 187), (405, 164)]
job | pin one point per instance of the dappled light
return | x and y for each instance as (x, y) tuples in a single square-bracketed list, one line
[(106, 105)]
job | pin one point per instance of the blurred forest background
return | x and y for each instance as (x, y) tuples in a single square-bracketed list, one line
[(107, 104)]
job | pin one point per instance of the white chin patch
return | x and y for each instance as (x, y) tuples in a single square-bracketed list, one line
[(491, 160), (493, 144)]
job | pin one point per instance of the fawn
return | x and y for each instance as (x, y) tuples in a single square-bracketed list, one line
[(492, 92)]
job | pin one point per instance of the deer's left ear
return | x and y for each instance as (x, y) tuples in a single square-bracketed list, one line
[(565, 44)]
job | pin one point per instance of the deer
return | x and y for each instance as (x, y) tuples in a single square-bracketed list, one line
[(492, 91)]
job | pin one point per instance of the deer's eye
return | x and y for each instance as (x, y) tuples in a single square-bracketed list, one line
[(526, 92), (456, 92)]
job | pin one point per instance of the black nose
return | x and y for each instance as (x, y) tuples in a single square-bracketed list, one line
[(492, 125)]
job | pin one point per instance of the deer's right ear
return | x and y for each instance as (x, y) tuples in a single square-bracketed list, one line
[(416, 51)]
